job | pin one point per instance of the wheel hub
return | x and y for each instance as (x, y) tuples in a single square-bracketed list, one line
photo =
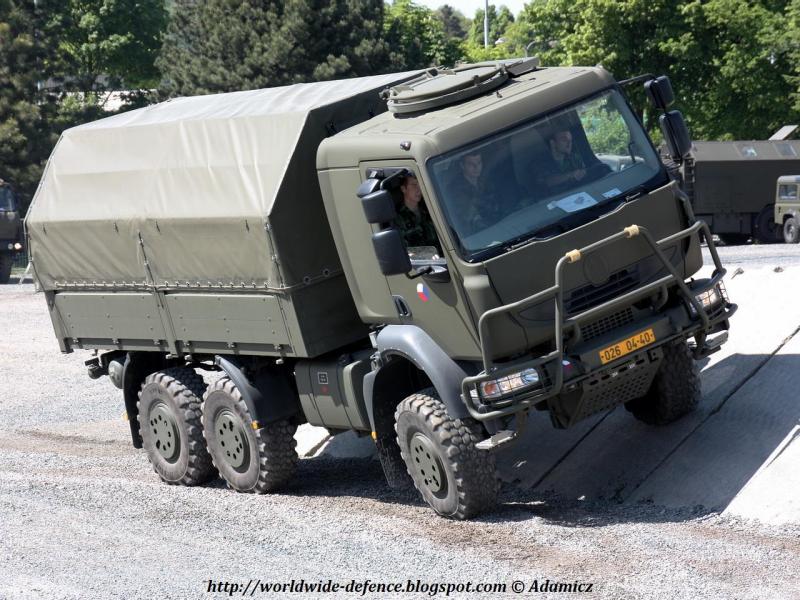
[(232, 439), (425, 459), (166, 433)]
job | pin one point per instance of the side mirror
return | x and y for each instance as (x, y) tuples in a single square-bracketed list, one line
[(391, 252), (379, 207), (676, 134), (659, 92)]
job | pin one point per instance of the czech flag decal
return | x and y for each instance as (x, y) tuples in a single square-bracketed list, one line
[(422, 292)]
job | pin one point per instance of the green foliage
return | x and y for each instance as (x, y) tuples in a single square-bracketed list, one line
[(107, 44), (25, 140), (417, 37), (499, 22), (454, 22), (723, 56), (227, 45), (605, 128)]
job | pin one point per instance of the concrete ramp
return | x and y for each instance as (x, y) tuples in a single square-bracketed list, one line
[(738, 453), (737, 443)]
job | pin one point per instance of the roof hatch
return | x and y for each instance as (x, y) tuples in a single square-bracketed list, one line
[(439, 87)]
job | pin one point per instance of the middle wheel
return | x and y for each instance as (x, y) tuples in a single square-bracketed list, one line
[(250, 460)]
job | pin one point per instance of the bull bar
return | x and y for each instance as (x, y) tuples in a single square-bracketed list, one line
[(515, 401)]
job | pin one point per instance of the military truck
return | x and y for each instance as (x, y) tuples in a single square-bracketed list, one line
[(255, 234), (10, 231), (787, 208), (732, 186)]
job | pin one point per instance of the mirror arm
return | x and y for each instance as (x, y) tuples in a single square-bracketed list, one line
[(420, 273)]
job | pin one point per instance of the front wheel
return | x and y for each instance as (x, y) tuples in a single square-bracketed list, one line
[(250, 460), (675, 391), (791, 231), (455, 478)]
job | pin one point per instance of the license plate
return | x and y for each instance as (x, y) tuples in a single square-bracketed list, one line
[(633, 343)]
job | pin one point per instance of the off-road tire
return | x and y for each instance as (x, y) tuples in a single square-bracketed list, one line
[(766, 230), (468, 484), (675, 391), (6, 262), (175, 393), (268, 454), (734, 239), (791, 231)]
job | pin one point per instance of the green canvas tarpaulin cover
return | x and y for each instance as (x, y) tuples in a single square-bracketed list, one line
[(209, 191)]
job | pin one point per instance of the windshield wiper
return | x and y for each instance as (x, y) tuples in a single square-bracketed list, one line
[(551, 230)]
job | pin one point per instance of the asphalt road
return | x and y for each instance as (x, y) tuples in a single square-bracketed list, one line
[(624, 507)]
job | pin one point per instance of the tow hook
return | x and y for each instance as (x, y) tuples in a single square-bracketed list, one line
[(95, 370)]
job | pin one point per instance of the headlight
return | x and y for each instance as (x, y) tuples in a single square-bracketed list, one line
[(711, 297), (17, 246), (10, 246), (495, 388)]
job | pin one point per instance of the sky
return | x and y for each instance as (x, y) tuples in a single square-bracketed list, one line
[(468, 7)]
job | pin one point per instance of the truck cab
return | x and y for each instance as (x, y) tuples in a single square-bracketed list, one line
[(564, 283), (787, 208)]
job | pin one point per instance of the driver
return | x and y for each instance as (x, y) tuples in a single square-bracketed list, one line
[(413, 219), (563, 166)]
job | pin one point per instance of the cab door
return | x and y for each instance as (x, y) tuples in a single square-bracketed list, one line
[(435, 301)]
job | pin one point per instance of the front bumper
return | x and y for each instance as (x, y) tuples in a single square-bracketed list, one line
[(559, 376)]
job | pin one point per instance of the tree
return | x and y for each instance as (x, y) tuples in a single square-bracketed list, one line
[(499, 22), (107, 44), (454, 22), (727, 70), (417, 37), (227, 45), (25, 141)]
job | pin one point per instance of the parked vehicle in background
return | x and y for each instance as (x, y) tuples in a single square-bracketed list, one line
[(787, 208), (11, 241), (429, 275), (732, 186)]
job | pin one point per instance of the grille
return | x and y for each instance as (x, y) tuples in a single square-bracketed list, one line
[(606, 324), (586, 297)]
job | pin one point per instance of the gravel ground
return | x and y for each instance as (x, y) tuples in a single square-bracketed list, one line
[(82, 515)]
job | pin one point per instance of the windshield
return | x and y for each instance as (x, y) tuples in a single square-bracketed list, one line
[(6, 199), (544, 177)]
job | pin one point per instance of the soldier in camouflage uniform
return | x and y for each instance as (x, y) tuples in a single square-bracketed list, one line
[(413, 219)]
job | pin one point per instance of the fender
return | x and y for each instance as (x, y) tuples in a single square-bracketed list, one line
[(136, 367), (417, 346), (268, 396)]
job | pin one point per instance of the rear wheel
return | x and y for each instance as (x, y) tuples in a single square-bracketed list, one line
[(734, 239), (791, 231), (767, 231), (675, 391), (169, 421), (6, 262), (455, 478), (250, 460)]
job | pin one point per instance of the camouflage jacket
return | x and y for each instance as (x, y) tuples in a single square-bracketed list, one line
[(417, 230)]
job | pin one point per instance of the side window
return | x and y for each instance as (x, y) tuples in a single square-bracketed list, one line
[(415, 223), (788, 193)]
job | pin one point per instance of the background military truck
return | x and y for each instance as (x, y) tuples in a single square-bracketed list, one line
[(254, 234), (787, 208), (732, 186), (10, 231)]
